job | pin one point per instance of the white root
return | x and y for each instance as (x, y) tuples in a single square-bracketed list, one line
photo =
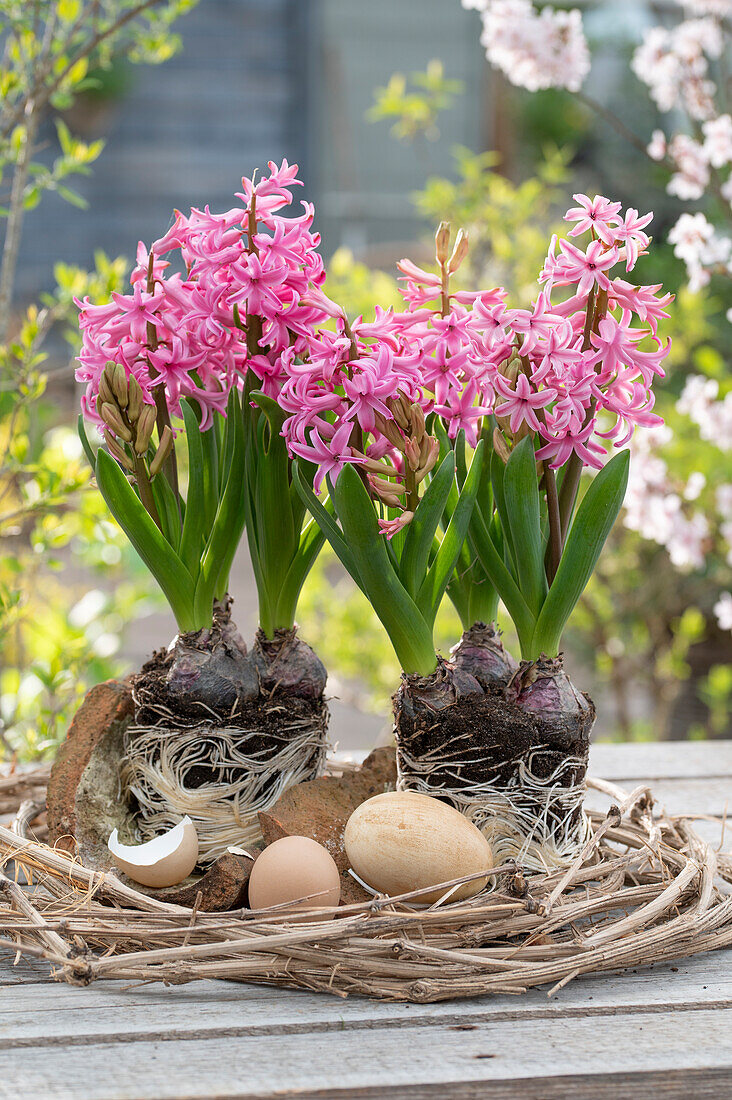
[(250, 769), (536, 820)]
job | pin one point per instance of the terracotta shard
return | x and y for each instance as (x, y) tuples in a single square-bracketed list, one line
[(106, 709), (223, 887), (320, 809)]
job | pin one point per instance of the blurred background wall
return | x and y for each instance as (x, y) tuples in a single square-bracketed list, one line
[(265, 79)]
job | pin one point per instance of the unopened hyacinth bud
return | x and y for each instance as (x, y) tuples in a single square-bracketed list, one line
[(389, 429), (500, 446), (112, 417), (164, 449), (411, 453), (105, 384), (119, 385), (511, 367), (382, 469), (400, 410), (459, 252), (117, 450), (442, 242), (134, 407), (416, 417), (428, 463), (144, 430), (388, 492), (385, 487)]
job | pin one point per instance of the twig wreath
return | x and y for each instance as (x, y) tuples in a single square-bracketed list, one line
[(645, 888)]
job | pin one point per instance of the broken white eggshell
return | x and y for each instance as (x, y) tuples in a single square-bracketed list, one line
[(163, 861)]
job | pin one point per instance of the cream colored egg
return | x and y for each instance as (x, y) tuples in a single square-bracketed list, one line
[(163, 861), (402, 841), (295, 869)]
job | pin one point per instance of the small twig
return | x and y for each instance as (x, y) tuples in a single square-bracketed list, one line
[(52, 940)]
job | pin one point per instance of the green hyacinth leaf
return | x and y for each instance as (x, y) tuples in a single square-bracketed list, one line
[(409, 632), (440, 571), (88, 451), (491, 558), (592, 524), (523, 513), (421, 531), (327, 524), (192, 539), (149, 542)]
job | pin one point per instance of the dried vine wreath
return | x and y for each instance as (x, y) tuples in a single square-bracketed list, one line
[(644, 889)]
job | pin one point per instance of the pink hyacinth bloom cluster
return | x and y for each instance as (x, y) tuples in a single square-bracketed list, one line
[(575, 383), (341, 397), (218, 295)]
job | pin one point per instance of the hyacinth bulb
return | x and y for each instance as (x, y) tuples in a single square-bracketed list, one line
[(204, 674), (446, 686), (287, 665), (480, 652), (543, 689)]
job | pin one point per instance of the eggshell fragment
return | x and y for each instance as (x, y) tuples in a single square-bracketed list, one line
[(295, 867), (401, 841), (163, 861)]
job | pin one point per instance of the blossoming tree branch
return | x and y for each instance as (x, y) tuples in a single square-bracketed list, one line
[(683, 65)]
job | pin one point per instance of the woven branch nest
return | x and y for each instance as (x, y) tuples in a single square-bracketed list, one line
[(646, 888)]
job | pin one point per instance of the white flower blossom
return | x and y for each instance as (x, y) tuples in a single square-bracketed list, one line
[(656, 147), (700, 247), (535, 49), (675, 65), (718, 141), (694, 485), (692, 178), (720, 8), (723, 611), (723, 497)]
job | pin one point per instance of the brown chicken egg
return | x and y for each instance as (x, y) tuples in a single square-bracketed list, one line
[(295, 869)]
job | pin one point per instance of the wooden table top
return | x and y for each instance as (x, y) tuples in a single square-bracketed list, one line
[(666, 1030)]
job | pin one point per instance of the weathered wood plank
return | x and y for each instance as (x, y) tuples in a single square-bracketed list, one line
[(369, 1058), (678, 796), (662, 759), (651, 760), (679, 1085), (34, 1015)]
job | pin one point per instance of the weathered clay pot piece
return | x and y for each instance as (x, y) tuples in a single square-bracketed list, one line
[(321, 808), (84, 802)]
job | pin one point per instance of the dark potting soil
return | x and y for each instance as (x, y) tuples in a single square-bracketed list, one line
[(206, 680)]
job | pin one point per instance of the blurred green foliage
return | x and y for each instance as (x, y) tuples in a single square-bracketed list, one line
[(57, 636), (414, 103), (508, 224)]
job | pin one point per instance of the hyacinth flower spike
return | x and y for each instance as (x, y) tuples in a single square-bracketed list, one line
[(556, 382), (536, 394), (196, 351)]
